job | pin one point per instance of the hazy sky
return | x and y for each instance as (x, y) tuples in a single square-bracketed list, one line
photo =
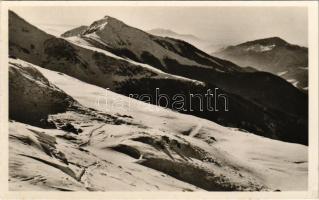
[(220, 25)]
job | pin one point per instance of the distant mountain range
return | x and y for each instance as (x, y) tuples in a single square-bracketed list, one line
[(170, 33), (204, 45), (192, 39), (273, 55), (113, 55)]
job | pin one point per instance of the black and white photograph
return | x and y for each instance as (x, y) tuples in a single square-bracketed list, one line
[(158, 98)]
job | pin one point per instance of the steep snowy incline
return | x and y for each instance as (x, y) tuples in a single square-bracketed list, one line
[(258, 160), (84, 44)]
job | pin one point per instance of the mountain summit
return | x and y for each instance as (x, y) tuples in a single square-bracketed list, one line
[(273, 55), (100, 24), (267, 41)]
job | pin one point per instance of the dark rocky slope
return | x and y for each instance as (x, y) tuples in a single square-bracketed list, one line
[(32, 97)]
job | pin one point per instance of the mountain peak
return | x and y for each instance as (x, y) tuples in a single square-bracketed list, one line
[(102, 23), (109, 19), (267, 41)]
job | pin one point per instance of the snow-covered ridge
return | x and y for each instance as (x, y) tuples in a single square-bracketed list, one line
[(82, 43), (93, 36)]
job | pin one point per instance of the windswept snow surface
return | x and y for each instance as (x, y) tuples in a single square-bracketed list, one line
[(261, 163)]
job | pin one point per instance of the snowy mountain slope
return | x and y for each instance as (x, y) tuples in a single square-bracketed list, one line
[(127, 141), (82, 43), (121, 39), (88, 63), (272, 55), (251, 95), (33, 45)]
